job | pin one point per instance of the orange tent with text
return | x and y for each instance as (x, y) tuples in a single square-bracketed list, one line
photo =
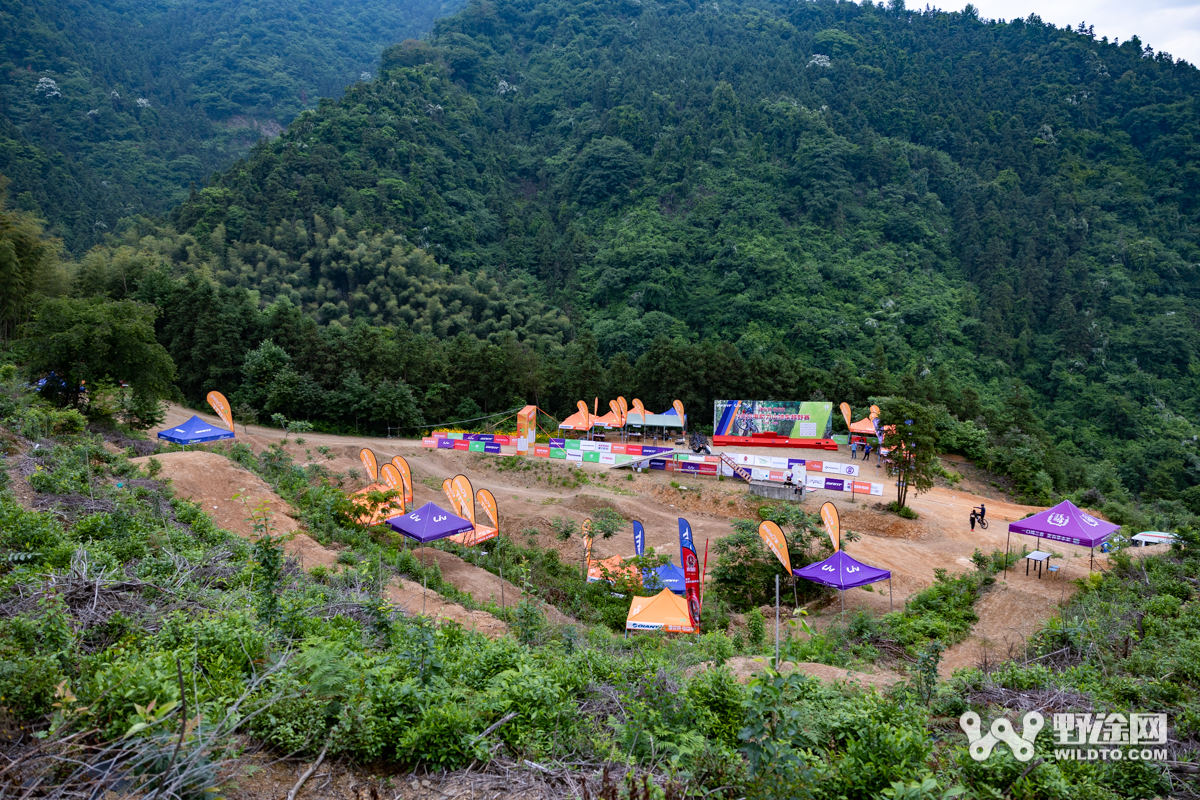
[(663, 612)]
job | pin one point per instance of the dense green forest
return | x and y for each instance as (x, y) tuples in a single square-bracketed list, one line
[(113, 109), (548, 201)]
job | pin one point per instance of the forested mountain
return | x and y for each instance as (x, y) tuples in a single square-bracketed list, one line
[(113, 109), (549, 200)]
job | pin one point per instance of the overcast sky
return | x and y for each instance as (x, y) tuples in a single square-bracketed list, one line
[(1171, 25)]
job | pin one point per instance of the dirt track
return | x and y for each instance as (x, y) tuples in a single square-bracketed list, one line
[(529, 498)]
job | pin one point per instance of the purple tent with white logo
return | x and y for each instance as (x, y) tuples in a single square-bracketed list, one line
[(1065, 523), (842, 572), (429, 523)]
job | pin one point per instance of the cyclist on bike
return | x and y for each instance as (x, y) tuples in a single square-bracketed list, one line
[(982, 510)]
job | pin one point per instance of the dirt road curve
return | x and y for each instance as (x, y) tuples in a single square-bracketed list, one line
[(531, 497)]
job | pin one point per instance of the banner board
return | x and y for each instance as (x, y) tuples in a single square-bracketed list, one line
[(791, 418)]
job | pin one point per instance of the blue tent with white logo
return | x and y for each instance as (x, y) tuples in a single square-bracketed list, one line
[(671, 577), (194, 431)]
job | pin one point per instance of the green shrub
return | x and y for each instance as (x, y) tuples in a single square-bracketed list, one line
[(442, 736)]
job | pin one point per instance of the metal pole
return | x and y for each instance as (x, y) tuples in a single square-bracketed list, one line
[(777, 621), (1007, 541), (891, 606), (501, 589), (424, 588), (842, 597)]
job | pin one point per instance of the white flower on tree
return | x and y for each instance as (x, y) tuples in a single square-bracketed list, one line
[(143, 102), (46, 87), (504, 87), (366, 76), (818, 60)]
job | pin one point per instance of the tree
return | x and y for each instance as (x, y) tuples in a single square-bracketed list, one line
[(73, 343), (911, 439)]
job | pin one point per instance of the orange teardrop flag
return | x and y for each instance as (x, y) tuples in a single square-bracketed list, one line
[(874, 412), (451, 496), (221, 406), (370, 463), (833, 524), (624, 408), (640, 410), (678, 406), (615, 407), (466, 498), (391, 476), (406, 476), (488, 501), (773, 536), (583, 409), (845, 407)]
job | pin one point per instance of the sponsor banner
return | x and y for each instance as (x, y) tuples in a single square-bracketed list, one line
[(622, 459), (762, 461), (742, 459), (592, 457), (462, 444), (708, 469), (773, 536), (556, 452), (796, 462), (860, 487), (557, 442), (571, 444), (776, 475), (574, 455), (814, 481), (476, 447), (503, 439), (589, 447), (691, 566), (790, 418), (760, 474), (834, 468), (454, 435), (688, 468), (522, 444), (814, 466), (441, 434), (541, 451), (633, 449), (491, 447), (608, 458), (446, 444), (877, 489), (835, 485), (603, 447), (221, 406), (779, 463), (618, 448), (658, 463), (429, 442)]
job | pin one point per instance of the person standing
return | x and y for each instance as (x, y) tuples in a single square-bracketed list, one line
[(972, 520), (853, 450), (867, 451)]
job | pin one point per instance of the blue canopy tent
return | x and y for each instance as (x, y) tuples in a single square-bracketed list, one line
[(670, 576), (194, 431)]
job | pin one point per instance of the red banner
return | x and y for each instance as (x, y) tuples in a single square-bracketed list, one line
[(633, 449), (462, 444), (814, 466), (541, 450), (691, 571)]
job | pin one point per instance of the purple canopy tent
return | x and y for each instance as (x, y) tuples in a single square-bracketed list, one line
[(429, 523), (842, 572), (1065, 522)]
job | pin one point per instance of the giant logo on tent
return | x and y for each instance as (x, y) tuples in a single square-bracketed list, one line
[(1058, 520)]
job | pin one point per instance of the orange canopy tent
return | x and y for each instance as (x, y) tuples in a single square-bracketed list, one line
[(609, 420), (663, 612), (377, 513), (579, 421), (615, 567), (864, 427)]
